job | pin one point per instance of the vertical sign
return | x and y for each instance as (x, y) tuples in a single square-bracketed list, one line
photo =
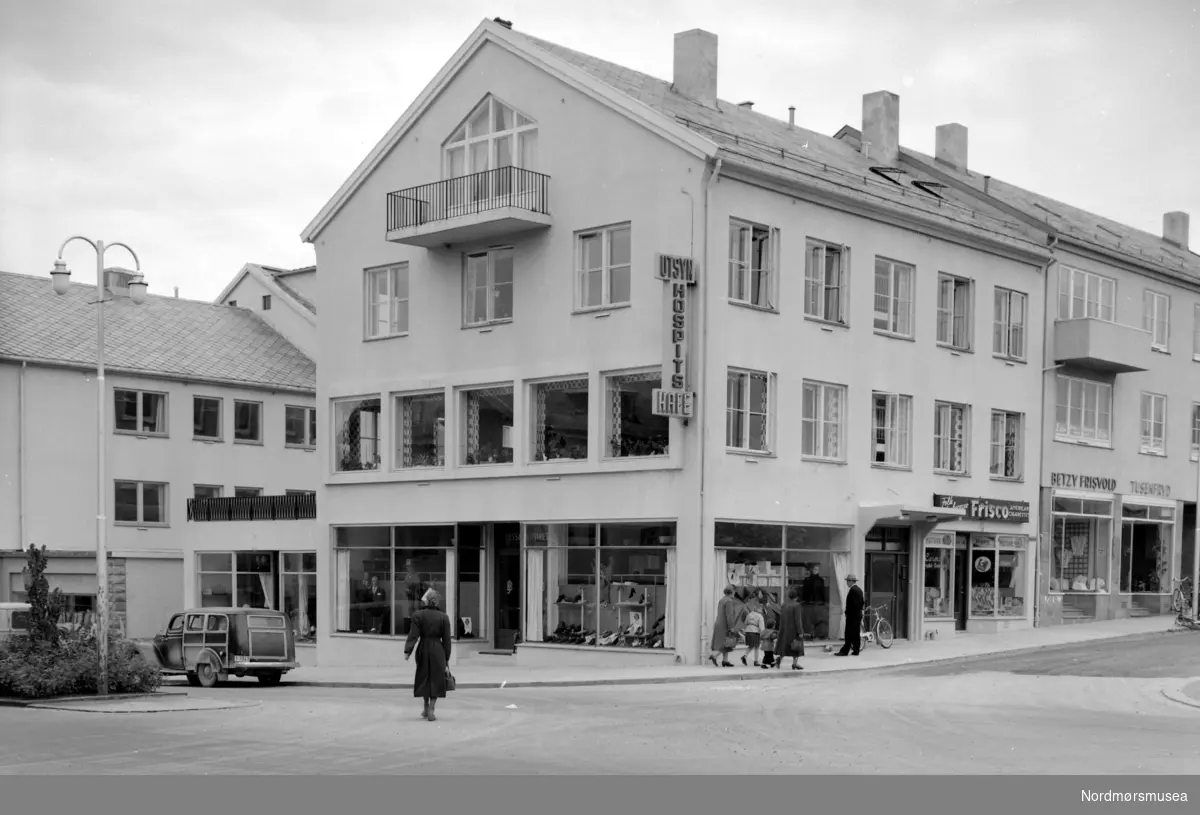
[(674, 398)]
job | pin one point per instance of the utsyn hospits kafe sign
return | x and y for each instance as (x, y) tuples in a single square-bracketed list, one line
[(676, 400)]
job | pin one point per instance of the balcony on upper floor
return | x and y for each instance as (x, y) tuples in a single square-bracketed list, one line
[(477, 207), (1102, 346), (297, 507)]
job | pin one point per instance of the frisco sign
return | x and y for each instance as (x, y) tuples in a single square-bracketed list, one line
[(986, 509), (676, 400)]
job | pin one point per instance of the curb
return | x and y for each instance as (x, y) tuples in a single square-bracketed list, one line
[(744, 675), (1178, 695), (58, 700)]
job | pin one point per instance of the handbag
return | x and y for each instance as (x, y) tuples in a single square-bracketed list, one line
[(731, 642), (797, 646), (451, 684)]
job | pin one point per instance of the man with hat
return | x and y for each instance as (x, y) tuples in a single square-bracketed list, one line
[(854, 615)]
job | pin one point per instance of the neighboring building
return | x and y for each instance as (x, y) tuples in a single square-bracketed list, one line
[(851, 359), (201, 401), (1121, 426), (282, 297)]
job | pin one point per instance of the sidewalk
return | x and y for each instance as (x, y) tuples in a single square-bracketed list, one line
[(472, 675)]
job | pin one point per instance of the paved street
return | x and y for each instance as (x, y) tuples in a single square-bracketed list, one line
[(1094, 708)]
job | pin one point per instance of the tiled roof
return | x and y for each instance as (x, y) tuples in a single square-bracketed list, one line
[(278, 274), (792, 152), (164, 337)]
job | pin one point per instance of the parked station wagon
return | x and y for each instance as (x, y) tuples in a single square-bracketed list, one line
[(210, 644), (14, 619)]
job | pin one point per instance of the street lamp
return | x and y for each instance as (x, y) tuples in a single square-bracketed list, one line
[(137, 293)]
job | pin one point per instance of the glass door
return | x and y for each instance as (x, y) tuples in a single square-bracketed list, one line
[(507, 537), (471, 546)]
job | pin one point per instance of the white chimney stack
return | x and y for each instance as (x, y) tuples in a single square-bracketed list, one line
[(792, 116), (696, 66), (881, 127), (952, 146), (1175, 228)]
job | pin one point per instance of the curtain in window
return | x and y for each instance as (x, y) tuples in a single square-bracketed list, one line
[(473, 423), (539, 429), (841, 568), (614, 406), (152, 413), (535, 595), (903, 304), (267, 583), (406, 432), (304, 623), (833, 284), (764, 407), (669, 629), (812, 281), (833, 418), (343, 589), (962, 295), (956, 443)]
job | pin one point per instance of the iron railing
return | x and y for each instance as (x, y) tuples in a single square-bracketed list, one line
[(468, 194), (257, 508)]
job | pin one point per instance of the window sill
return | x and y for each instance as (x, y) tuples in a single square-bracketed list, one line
[(823, 460), (900, 468), (891, 335), (307, 448), (950, 474), (750, 454), (536, 462), (141, 434), (1100, 445), (1011, 479), (954, 350), (488, 464), (483, 328), (826, 324), (250, 442), (1159, 350), (600, 311), (1155, 453), (207, 440), (752, 306), (423, 470), (1007, 360), (141, 526), (382, 337)]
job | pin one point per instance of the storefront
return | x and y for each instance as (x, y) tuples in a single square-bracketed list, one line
[(978, 572), (1111, 554), (284, 581)]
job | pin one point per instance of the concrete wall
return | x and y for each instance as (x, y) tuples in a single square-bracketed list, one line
[(153, 594)]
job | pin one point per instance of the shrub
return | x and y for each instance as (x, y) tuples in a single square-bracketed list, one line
[(32, 670)]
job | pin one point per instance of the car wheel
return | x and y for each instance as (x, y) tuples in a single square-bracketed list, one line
[(193, 680), (270, 678), (206, 674)]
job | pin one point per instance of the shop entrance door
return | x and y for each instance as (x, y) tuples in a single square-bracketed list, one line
[(507, 538), (962, 578), (887, 579)]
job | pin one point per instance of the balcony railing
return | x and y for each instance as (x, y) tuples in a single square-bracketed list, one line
[(467, 195), (257, 508)]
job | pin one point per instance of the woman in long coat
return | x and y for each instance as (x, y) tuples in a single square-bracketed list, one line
[(430, 634), (791, 629), (725, 624)]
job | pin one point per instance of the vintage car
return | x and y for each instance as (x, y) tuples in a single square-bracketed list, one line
[(14, 617), (210, 644)]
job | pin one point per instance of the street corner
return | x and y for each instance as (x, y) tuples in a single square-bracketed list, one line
[(153, 703), (1185, 693)]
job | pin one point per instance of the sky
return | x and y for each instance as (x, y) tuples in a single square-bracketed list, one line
[(207, 133)]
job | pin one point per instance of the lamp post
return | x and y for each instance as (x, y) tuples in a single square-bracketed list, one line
[(137, 293)]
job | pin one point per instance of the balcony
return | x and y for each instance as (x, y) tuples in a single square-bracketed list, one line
[(258, 508), (476, 207), (1101, 346)]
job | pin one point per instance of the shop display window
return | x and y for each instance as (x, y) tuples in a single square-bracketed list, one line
[(603, 585), (1082, 530), (1147, 535), (998, 576), (382, 572), (939, 576), (299, 590)]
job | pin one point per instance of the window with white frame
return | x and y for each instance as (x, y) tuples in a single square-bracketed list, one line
[(951, 435), (1008, 444), (206, 418), (826, 287), (1154, 423), (954, 317), (140, 503), (891, 433), (1196, 332), (387, 302), (602, 266), (488, 287), (356, 434), (247, 422), (207, 491), (494, 136), (1008, 324), (748, 411), (141, 412), (631, 426), (1084, 410), (421, 430), (1085, 294), (822, 421), (560, 419), (751, 264), (1156, 318), (487, 425), (894, 297), (299, 426), (1196, 431)]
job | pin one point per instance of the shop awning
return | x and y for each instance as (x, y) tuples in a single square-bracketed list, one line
[(870, 515)]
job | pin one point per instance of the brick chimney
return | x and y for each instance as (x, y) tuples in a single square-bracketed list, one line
[(952, 146), (881, 127), (1175, 229), (696, 66)]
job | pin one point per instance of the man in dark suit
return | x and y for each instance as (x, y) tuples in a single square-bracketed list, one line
[(814, 604), (854, 615), (376, 606)]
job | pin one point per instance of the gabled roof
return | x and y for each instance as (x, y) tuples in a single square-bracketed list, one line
[(272, 278), (1069, 224), (165, 337)]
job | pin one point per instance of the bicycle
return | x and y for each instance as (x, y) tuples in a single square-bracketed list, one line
[(880, 631), (1181, 598)]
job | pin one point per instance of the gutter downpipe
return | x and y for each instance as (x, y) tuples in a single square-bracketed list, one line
[(1046, 305), (702, 385), (22, 456)]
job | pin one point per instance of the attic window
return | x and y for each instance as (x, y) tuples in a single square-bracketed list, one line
[(884, 172), (233, 303), (929, 187), (266, 302), (493, 136)]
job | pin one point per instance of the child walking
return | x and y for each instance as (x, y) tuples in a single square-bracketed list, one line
[(752, 630)]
